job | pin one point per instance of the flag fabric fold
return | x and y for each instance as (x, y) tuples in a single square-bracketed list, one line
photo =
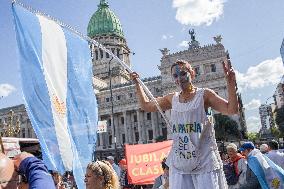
[(268, 173), (56, 72)]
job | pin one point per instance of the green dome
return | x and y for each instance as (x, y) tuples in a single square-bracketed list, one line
[(104, 22)]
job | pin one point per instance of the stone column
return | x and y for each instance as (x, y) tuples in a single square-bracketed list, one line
[(112, 129), (159, 126), (117, 133), (169, 133), (145, 129), (100, 137), (139, 127), (125, 127), (154, 124), (143, 126), (129, 131), (132, 131)]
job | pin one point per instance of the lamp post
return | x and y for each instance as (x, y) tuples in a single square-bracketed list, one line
[(111, 100), (112, 114)]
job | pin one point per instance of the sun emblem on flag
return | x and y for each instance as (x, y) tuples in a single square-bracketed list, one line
[(275, 183), (60, 107)]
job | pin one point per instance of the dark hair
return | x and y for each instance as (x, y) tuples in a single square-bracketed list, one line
[(273, 144), (164, 165)]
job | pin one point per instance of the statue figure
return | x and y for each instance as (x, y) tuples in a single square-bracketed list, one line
[(165, 51), (218, 39), (192, 34)]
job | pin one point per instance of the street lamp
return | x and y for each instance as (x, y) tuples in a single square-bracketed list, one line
[(112, 114), (111, 100)]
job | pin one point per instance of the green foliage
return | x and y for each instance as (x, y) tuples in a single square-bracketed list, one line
[(226, 128), (276, 132), (253, 136)]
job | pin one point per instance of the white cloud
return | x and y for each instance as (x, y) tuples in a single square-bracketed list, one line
[(266, 73), (198, 12), (183, 44), (165, 37), (253, 124), (253, 104), (6, 89)]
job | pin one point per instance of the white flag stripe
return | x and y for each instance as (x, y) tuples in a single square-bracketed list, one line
[(54, 56)]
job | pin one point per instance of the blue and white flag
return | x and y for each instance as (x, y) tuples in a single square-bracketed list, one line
[(269, 175), (56, 71)]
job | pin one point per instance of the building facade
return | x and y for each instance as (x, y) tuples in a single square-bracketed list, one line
[(126, 122), (266, 119), (13, 117), (130, 124), (279, 94)]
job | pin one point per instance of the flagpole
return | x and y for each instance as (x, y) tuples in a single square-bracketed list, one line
[(100, 46)]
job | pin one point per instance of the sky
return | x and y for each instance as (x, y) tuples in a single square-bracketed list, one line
[(252, 32)]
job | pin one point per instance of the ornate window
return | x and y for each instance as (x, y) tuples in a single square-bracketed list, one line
[(101, 53), (150, 134), (149, 116), (96, 54), (197, 71), (213, 67), (118, 53), (118, 97)]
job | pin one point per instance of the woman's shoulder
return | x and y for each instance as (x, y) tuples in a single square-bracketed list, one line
[(209, 92), (169, 96)]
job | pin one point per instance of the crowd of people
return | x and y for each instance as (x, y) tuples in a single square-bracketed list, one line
[(25, 171), (194, 160)]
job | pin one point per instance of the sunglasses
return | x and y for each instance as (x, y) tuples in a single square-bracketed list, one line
[(182, 73)]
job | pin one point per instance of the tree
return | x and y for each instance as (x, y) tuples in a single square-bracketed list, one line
[(276, 132), (226, 128), (253, 136)]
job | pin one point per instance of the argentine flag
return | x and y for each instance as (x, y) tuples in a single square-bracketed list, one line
[(56, 71), (269, 175)]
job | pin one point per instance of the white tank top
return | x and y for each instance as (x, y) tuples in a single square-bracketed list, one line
[(194, 149)]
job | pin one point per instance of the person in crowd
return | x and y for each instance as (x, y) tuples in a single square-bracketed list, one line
[(274, 155), (162, 181), (194, 160), (123, 180), (8, 177), (110, 159), (101, 175), (263, 148), (235, 169), (69, 180), (57, 180), (224, 157), (268, 174), (24, 168)]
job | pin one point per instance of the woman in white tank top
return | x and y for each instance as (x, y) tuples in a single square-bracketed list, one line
[(194, 160)]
